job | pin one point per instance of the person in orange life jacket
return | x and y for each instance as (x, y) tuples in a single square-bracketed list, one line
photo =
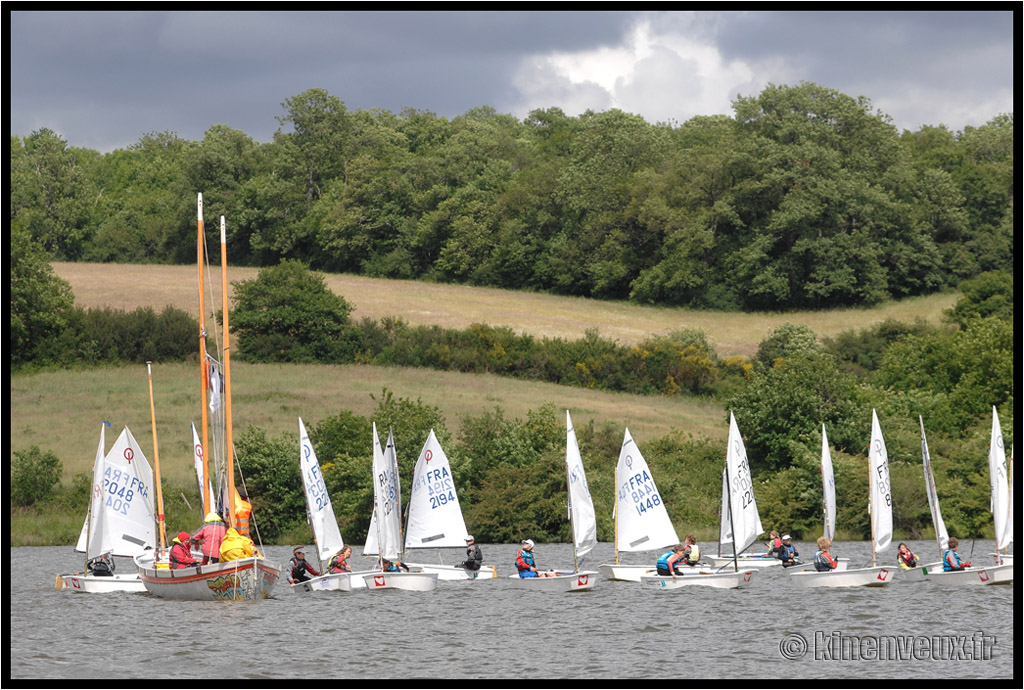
[(951, 559), (525, 562), (906, 558), (298, 568), (774, 544), (395, 566), (243, 512), (181, 552), (339, 561), (823, 561), (209, 537), (669, 562)]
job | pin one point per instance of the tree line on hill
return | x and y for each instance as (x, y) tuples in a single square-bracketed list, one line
[(804, 198)]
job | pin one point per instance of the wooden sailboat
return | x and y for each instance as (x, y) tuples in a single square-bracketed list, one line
[(324, 523), (387, 496), (744, 526), (641, 519), (582, 522), (435, 516), (119, 521), (880, 510), (247, 578)]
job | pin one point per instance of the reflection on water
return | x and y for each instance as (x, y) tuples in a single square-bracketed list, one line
[(484, 629)]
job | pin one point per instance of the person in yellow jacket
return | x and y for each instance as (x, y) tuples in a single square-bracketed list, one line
[(236, 546)]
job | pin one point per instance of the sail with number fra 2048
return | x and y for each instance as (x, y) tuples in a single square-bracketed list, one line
[(318, 502), (746, 523), (124, 508), (641, 522)]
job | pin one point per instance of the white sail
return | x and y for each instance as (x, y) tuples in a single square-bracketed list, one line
[(880, 490), (93, 540), (1000, 485), (435, 517), (828, 487), (122, 508), (1008, 536), (641, 521), (746, 523), (933, 497), (724, 522), (584, 520), (197, 456), (318, 501), (387, 501)]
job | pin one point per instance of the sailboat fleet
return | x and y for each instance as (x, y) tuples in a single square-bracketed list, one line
[(126, 510)]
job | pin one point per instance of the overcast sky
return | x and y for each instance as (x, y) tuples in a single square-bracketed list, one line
[(103, 79)]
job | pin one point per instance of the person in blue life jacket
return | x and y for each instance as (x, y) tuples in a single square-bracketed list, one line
[(823, 560), (394, 566), (951, 559), (670, 561), (787, 552), (525, 563)]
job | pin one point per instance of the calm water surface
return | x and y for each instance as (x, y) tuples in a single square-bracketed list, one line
[(486, 630)]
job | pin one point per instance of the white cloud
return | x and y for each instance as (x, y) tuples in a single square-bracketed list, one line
[(660, 75)]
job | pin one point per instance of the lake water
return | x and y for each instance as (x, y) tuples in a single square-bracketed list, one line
[(484, 629)]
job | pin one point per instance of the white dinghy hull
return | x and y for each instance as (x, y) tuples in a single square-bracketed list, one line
[(92, 584), (858, 577), (724, 580), (410, 582), (453, 573), (626, 573), (582, 581), (920, 573), (242, 580), (332, 582), (996, 575)]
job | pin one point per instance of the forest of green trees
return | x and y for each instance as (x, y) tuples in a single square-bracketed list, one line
[(804, 198)]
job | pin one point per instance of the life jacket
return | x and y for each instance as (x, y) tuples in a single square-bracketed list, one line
[(824, 562), (948, 560), (788, 552), (299, 568), (907, 560), (243, 510), (691, 555), (101, 567), (524, 559), (338, 564)]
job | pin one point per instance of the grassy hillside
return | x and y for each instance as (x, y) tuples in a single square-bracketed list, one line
[(126, 286), (61, 411)]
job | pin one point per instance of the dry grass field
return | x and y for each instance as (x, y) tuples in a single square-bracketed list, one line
[(127, 286), (61, 411)]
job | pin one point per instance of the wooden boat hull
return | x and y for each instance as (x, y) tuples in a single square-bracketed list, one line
[(455, 573), (245, 579), (92, 584), (332, 582), (995, 575), (410, 582), (582, 581), (723, 580), (858, 577)]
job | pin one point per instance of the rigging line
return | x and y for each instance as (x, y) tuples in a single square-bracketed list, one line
[(209, 281)]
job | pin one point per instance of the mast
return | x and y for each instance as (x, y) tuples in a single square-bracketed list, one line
[(156, 461), (203, 366), (227, 379), (871, 513), (572, 525), (615, 512), (732, 530)]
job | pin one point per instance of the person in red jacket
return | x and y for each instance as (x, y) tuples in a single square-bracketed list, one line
[(181, 552), (209, 537)]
